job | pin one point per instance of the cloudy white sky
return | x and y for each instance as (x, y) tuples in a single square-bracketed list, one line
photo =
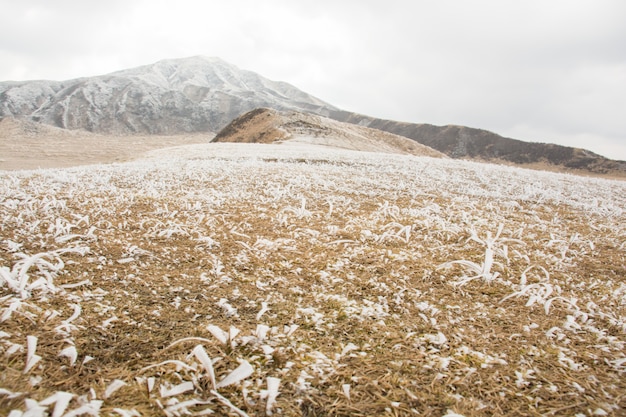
[(537, 70)]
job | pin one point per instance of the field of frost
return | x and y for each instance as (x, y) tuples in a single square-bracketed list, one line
[(266, 280)]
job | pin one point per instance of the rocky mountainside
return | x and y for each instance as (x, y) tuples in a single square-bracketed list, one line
[(272, 126), (168, 97)]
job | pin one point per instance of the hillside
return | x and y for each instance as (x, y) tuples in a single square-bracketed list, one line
[(481, 145), (271, 126), (203, 95), (305, 280)]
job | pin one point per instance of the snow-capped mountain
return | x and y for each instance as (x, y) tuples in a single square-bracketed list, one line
[(170, 96)]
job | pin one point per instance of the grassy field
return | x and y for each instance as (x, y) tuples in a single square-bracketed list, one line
[(257, 280)]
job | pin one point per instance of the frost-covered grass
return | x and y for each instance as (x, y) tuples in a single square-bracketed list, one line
[(291, 280)]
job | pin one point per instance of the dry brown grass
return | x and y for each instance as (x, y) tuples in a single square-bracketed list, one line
[(321, 242), (25, 145)]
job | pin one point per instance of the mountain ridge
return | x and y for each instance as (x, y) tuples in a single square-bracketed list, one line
[(204, 94), (486, 146)]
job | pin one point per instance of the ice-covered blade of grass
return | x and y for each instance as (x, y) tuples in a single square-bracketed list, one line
[(20, 280), (272, 392), (31, 357), (70, 353), (113, 387), (243, 371), (204, 359), (171, 391), (60, 400)]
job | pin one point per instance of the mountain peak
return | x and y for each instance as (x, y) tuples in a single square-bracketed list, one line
[(198, 70), (198, 64)]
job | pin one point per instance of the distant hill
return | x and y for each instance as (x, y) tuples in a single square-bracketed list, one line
[(201, 94), (271, 126), (482, 145)]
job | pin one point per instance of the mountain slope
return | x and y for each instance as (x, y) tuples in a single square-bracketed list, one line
[(482, 145), (168, 97), (269, 126), (201, 94)]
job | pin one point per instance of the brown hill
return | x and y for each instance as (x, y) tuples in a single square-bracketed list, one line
[(271, 126)]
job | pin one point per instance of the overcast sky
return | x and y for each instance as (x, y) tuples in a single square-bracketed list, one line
[(537, 70)]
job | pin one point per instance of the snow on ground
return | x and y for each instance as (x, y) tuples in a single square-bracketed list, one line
[(289, 279)]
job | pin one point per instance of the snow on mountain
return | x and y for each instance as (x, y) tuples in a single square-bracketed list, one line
[(170, 96)]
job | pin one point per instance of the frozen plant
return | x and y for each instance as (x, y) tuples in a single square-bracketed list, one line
[(300, 212), (48, 264), (483, 270)]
